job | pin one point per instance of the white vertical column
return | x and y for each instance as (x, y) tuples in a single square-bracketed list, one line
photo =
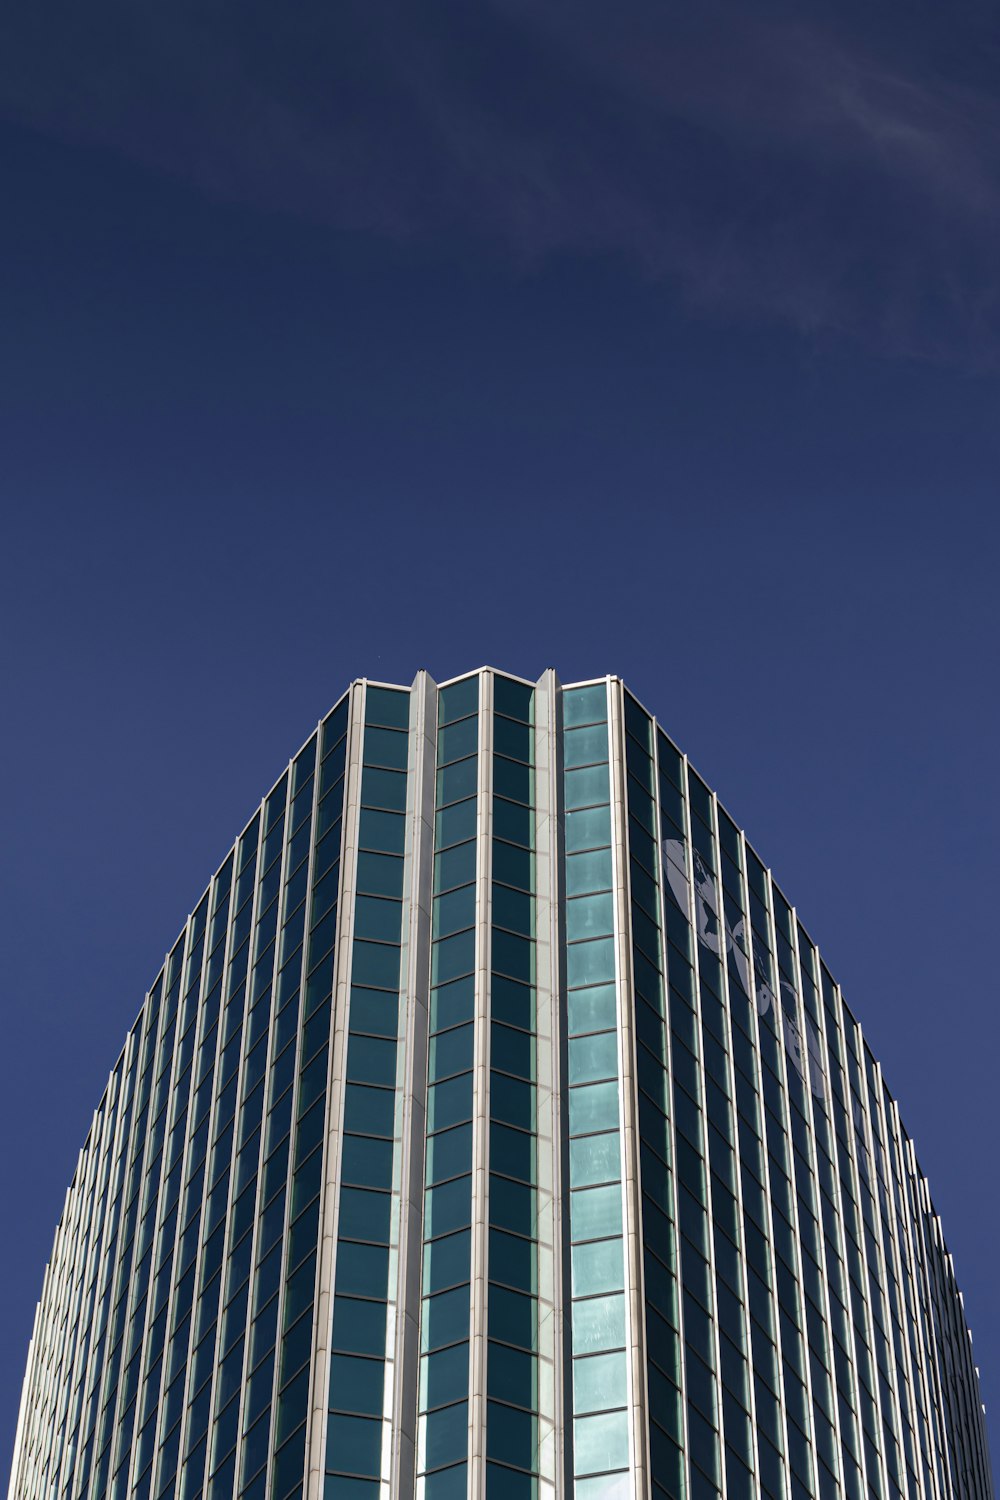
[(319, 1395), (628, 1100), (411, 1082), (552, 1207), (481, 1097)]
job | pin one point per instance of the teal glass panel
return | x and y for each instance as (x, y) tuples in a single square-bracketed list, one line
[(386, 707), (593, 1057), (588, 829), (592, 1107), (590, 963), (458, 699), (586, 787), (512, 739), (357, 1384), (386, 747), (386, 789), (591, 1009), (447, 1484), (380, 874), (449, 1153), (452, 1003), (456, 910), (600, 1382), (585, 705), (457, 781), (610, 1487), (598, 1267), (590, 871), (596, 1212), (448, 1207), (385, 832), (584, 747), (600, 1442), (458, 741), (453, 957), (589, 916), (513, 865), (450, 1052), (446, 1262), (455, 867), (455, 824), (449, 1103), (446, 1435), (593, 1159), (515, 699), (444, 1376), (445, 1319), (598, 1323)]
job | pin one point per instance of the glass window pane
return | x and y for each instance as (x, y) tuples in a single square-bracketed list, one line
[(590, 871), (445, 1435), (589, 916), (512, 1375), (366, 1161), (596, 1212), (593, 1107), (454, 824), (456, 866), (600, 1442), (446, 1484), (448, 1207), (599, 1382), (362, 1270), (590, 963), (452, 957), (592, 1009), (593, 1057), (383, 789), (584, 704), (387, 706), (386, 747), (449, 1103), (450, 1052), (598, 1267), (444, 1376), (359, 1327), (446, 1262), (588, 830), (582, 747), (357, 1384), (449, 1153), (586, 787), (606, 1487), (458, 740), (455, 910), (594, 1158), (364, 1215), (380, 874), (445, 1319), (598, 1323), (457, 781), (368, 1110), (453, 1002), (354, 1445)]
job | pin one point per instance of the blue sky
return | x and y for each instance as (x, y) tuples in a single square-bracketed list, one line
[(617, 339)]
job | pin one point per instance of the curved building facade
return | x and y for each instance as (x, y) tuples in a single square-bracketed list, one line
[(494, 1130)]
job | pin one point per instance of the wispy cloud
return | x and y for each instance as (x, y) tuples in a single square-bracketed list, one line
[(767, 163)]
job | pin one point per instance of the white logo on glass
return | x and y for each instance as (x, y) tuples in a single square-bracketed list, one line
[(717, 935)]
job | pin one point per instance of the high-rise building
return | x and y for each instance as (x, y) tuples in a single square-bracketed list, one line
[(495, 1130)]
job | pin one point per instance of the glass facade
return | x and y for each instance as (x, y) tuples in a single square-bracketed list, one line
[(494, 1129)]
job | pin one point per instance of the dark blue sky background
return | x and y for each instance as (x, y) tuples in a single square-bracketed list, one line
[(346, 341)]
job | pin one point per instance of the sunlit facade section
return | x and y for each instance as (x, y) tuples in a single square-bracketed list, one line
[(494, 1130)]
